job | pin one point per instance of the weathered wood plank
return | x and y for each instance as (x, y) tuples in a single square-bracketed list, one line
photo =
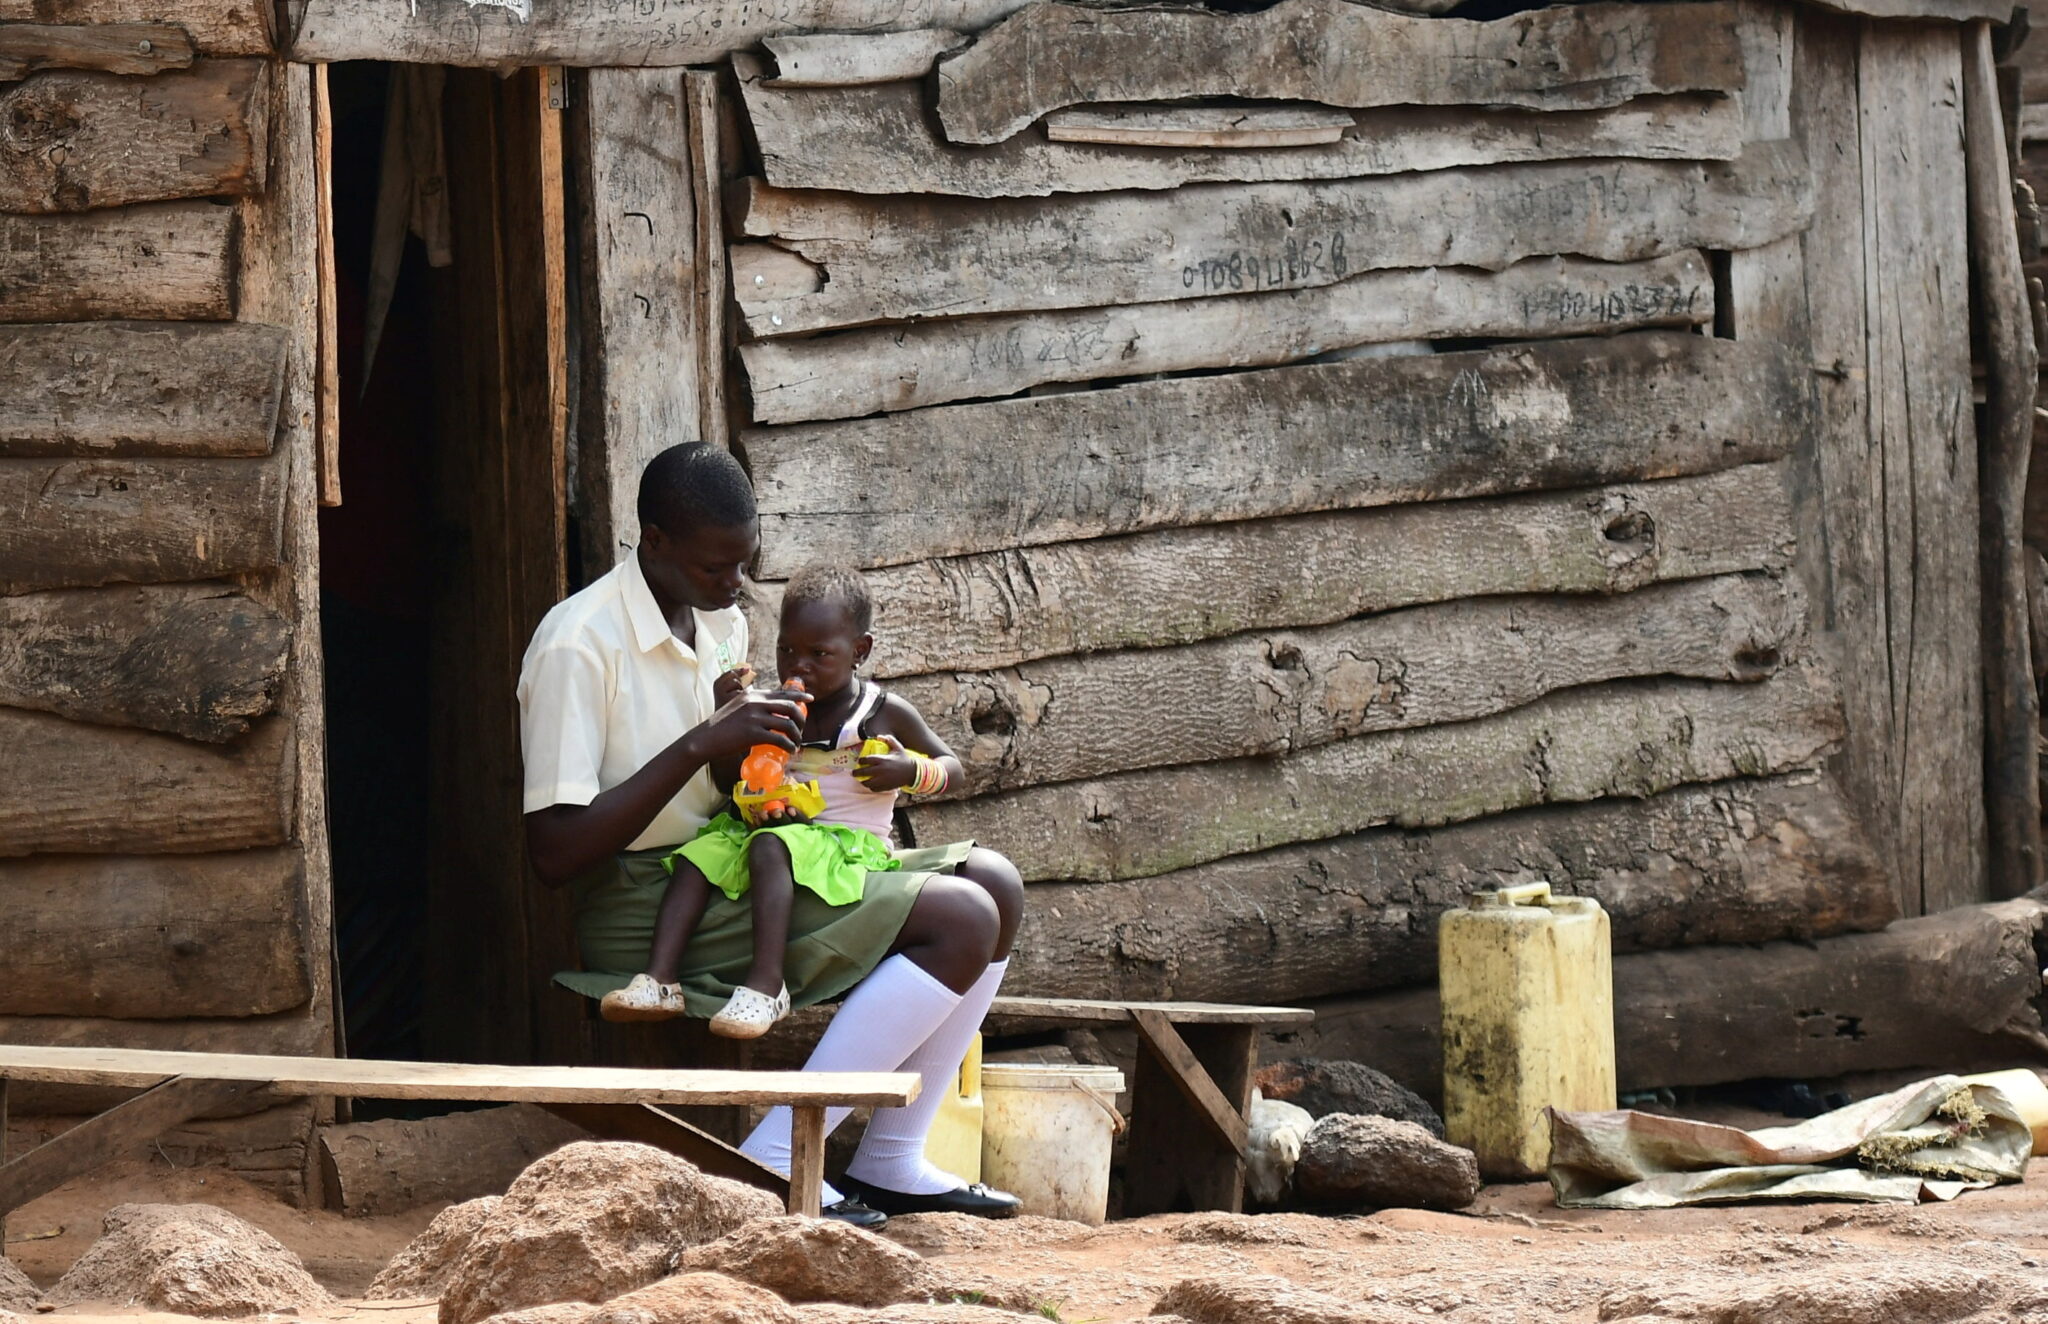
[(640, 385), (1732, 862), (1624, 739), (153, 936), (871, 370), (119, 48), (170, 260), (1948, 992), (69, 787), (881, 139), (131, 388), (1235, 127), (196, 660), (1175, 586), (292, 1033), (660, 32), (1367, 432), (85, 140), (838, 59), (79, 523), (1562, 58), (215, 27), (1275, 693), (888, 260)]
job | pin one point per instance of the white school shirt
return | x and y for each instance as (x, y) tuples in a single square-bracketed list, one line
[(606, 685)]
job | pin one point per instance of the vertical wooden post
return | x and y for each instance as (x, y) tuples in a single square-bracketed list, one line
[(806, 1159), (3, 1158), (709, 131), (2012, 791), (327, 390)]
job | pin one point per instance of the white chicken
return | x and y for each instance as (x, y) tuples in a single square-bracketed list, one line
[(1272, 1146)]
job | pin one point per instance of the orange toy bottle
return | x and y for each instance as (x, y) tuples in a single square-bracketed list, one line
[(764, 766)]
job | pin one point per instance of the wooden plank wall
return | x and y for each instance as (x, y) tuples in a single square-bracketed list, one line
[(1298, 539), (163, 867)]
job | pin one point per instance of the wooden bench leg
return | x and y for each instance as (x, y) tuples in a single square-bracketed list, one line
[(93, 1142), (3, 1160), (648, 1125), (1188, 1104), (806, 1160)]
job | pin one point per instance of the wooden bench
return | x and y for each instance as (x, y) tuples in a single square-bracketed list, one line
[(1191, 1095), (610, 1102)]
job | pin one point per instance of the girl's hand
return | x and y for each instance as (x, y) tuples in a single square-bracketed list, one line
[(892, 771), (731, 685)]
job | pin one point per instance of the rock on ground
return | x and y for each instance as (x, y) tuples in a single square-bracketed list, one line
[(811, 1259), (589, 1222), (935, 1312), (945, 1234), (422, 1268), (1266, 1299), (1910, 1294), (1373, 1162), (191, 1259), (16, 1291), (562, 1312), (1335, 1085), (696, 1298)]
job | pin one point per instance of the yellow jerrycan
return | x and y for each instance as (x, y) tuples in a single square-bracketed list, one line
[(1528, 1022), (954, 1142)]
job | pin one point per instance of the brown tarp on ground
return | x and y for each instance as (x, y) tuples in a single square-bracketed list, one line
[(1933, 1139)]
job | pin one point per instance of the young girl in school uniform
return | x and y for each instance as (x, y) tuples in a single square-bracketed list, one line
[(822, 642)]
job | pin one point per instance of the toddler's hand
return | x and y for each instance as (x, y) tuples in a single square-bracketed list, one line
[(731, 685), (886, 772)]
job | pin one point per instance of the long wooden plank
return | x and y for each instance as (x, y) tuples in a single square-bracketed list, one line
[(881, 139), (77, 523), (135, 49), (1563, 58), (1276, 692), (66, 786), (1194, 450), (885, 260), (196, 660), (85, 140), (295, 1033), (153, 936), (1175, 586), (1731, 862), (853, 373), (215, 27), (838, 59), (372, 1079), (112, 1134), (640, 386), (1170, 125), (171, 260), (1089, 1011), (1940, 993), (1630, 739), (140, 388), (572, 32)]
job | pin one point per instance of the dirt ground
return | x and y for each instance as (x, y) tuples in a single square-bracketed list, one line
[(1514, 1256)]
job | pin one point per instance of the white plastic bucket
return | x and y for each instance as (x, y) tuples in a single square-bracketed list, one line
[(1045, 1135)]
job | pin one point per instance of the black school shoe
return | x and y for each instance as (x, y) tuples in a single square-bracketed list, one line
[(980, 1200), (855, 1213)]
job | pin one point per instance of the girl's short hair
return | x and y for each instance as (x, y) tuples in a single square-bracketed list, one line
[(834, 584)]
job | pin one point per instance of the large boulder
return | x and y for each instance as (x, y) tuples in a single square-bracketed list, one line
[(815, 1259), (190, 1259), (1266, 1299), (1373, 1163), (930, 1312), (422, 1268), (1917, 1292), (16, 1291), (1326, 1086), (590, 1222), (696, 1298)]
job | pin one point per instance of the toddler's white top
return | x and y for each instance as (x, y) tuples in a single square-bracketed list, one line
[(847, 802)]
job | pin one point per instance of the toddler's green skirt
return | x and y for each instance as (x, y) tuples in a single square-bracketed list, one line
[(829, 859), (831, 948)]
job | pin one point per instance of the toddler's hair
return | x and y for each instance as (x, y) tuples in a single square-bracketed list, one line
[(834, 584), (695, 485)]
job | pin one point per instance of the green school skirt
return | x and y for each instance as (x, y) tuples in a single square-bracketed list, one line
[(828, 859), (831, 948)]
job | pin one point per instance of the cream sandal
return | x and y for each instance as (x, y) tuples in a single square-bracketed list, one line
[(645, 999), (750, 1013)]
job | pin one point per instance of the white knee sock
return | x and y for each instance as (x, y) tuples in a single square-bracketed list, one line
[(885, 1019), (891, 1154)]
